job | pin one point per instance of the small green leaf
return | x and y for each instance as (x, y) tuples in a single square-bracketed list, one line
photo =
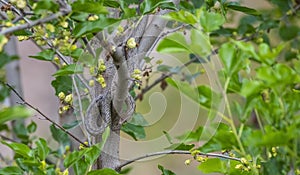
[(61, 137), (200, 43), (62, 84), (250, 88), (74, 157), (165, 171), (11, 170), (20, 148), (4, 59), (89, 7), (80, 167), (267, 74), (93, 26), (45, 5), (94, 152), (173, 43), (169, 138), (288, 32), (13, 113), (72, 124), (105, 171), (211, 21), (228, 56), (214, 165), (31, 128), (223, 139), (243, 9), (149, 6), (42, 148), (45, 55), (247, 47), (138, 119), (191, 136), (135, 131), (182, 16), (180, 146), (68, 70), (185, 88)]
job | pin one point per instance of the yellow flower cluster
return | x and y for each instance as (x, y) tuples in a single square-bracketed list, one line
[(66, 101)]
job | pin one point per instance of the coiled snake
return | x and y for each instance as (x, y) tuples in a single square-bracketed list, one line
[(99, 113)]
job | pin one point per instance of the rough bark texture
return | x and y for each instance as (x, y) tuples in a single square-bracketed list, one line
[(120, 64)]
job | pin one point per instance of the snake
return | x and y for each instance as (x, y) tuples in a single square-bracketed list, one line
[(99, 113)]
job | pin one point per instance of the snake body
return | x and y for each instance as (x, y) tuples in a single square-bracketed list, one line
[(98, 114)]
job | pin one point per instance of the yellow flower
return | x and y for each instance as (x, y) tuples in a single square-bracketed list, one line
[(21, 4), (61, 95), (69, 98), (91, 83), (50, 27), (187, 162), (131, 43), (3, 41)]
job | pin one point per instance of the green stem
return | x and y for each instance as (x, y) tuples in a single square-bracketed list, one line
[(233, 127)]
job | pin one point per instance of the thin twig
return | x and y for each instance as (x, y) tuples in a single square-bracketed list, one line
[(42, 114), (7, 138), (176, 152)]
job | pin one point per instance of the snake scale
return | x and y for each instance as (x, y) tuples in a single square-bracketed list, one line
[(99, 113)]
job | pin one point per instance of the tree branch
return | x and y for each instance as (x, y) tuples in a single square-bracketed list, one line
[(46, 117), (30, 24), (176, 152)]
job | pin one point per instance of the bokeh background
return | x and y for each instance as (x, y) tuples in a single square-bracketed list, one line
[(165, 111)]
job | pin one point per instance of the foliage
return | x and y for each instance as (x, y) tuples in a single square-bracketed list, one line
[(261, 70)]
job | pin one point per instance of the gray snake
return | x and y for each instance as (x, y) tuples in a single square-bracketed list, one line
[(99, 113)]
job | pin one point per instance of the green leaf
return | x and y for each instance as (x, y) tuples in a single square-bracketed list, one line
[(206, 96), (228, 56), (223, 139), (200, 44), (138, 119), (68, 70), (45, 55), (173, 43), (185, 88), (94, 151), (180, 146), (80, 167), (149, 6), (169, 138), (11, 170), (251, 87), (135, 131), (213, 165), (289, 32), (104, 171), (74, 157), (211, 21), (89, 7), (243, 9), (93, 26), (191, 136), (13, 113), (4, 91), (61, 137), (4, 59), (267, 74), (20, 148), (165, 171), (31, 128), (45, 5), (42, 148), (72, 124), (247, 47), (182, 16), (62, 84)]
